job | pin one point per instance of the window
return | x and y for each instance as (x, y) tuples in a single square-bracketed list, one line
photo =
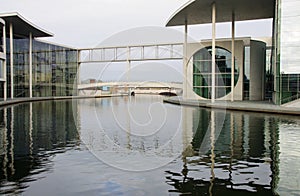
[(202, 72)]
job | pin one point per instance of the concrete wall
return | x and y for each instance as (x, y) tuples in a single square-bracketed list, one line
[(257, 67), (257, 70), (239, 57)]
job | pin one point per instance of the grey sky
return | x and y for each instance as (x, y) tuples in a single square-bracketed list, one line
[(88, 23), (85, 23)]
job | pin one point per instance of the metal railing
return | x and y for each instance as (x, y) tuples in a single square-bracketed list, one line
[(166, 51), (291, 98)]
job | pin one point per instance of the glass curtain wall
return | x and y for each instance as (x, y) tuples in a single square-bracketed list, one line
[(20, 68), (246, 89), (54, 69), (202, 72), (1, 61), (288, 49), (1, 36)]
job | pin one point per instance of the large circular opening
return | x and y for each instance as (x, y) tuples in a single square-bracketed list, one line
[(202, 72)]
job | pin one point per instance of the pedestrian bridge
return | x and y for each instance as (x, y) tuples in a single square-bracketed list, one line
[(144, 52), (100, 88)]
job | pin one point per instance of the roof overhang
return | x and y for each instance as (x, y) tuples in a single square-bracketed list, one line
[(200, 11), (22, 27)]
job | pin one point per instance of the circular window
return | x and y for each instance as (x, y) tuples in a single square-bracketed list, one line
[(202, 72)]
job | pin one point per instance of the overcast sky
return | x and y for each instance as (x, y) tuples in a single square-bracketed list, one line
[(89, 23), (86, 23)]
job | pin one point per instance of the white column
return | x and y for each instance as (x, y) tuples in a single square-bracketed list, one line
[(185, 61), (11, 61), (232, 55), (4, 65), (213, 55), (30, 65)]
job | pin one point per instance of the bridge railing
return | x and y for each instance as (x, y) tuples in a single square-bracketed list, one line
[(168, 51), (290, 98)]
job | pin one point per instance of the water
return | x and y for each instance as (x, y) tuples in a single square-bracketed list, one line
[(140, 146)]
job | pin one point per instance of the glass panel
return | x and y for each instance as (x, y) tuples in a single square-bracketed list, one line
[(203, 72), (1, 69), (289, 36), (1, 37), (246, 72), (54, 70)]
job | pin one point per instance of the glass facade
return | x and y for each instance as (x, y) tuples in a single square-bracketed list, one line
[(1, 37), (289, 36), (246, 72), (2, 59), (269, 74), (287, 42), (202, 72), (290, 87), (54, 69)]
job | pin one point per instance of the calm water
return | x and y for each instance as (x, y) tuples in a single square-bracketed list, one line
[(140, 146)]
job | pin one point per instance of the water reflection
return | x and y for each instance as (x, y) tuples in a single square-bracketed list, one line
[(134, 134), (44, 149), (30, 134), (242, 159)]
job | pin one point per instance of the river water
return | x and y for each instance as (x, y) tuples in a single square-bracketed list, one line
[(141, 146)]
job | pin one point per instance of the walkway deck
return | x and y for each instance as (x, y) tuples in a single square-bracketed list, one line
[(27, 99), (249, 106)]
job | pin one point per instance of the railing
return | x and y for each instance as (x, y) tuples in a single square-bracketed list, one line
[(291, 98), (168, 51)]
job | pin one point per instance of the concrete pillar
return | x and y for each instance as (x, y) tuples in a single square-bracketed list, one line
[(30, 65), (213, 58), (232, 55), (185, 60), (11, 60)]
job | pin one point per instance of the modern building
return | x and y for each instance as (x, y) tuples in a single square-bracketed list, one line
[(259, 72), (30, 67)]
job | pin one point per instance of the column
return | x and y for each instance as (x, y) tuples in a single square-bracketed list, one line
[(213, 58), (232, 55), (11, 61), (30, 65), (185, 61)]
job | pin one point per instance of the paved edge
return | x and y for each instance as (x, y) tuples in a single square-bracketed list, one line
[(36, 99), (252, 108)]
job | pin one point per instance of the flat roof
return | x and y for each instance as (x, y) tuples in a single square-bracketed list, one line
[(199, 11), (22, 27)]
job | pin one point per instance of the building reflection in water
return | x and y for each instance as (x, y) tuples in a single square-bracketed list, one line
[(30, 134), (238, 157), (201, 152)]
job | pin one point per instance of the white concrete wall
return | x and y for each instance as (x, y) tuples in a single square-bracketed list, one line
[(257, 70), (239, 57)]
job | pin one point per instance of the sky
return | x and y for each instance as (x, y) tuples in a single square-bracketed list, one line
[(85, 23), (90, 23)]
